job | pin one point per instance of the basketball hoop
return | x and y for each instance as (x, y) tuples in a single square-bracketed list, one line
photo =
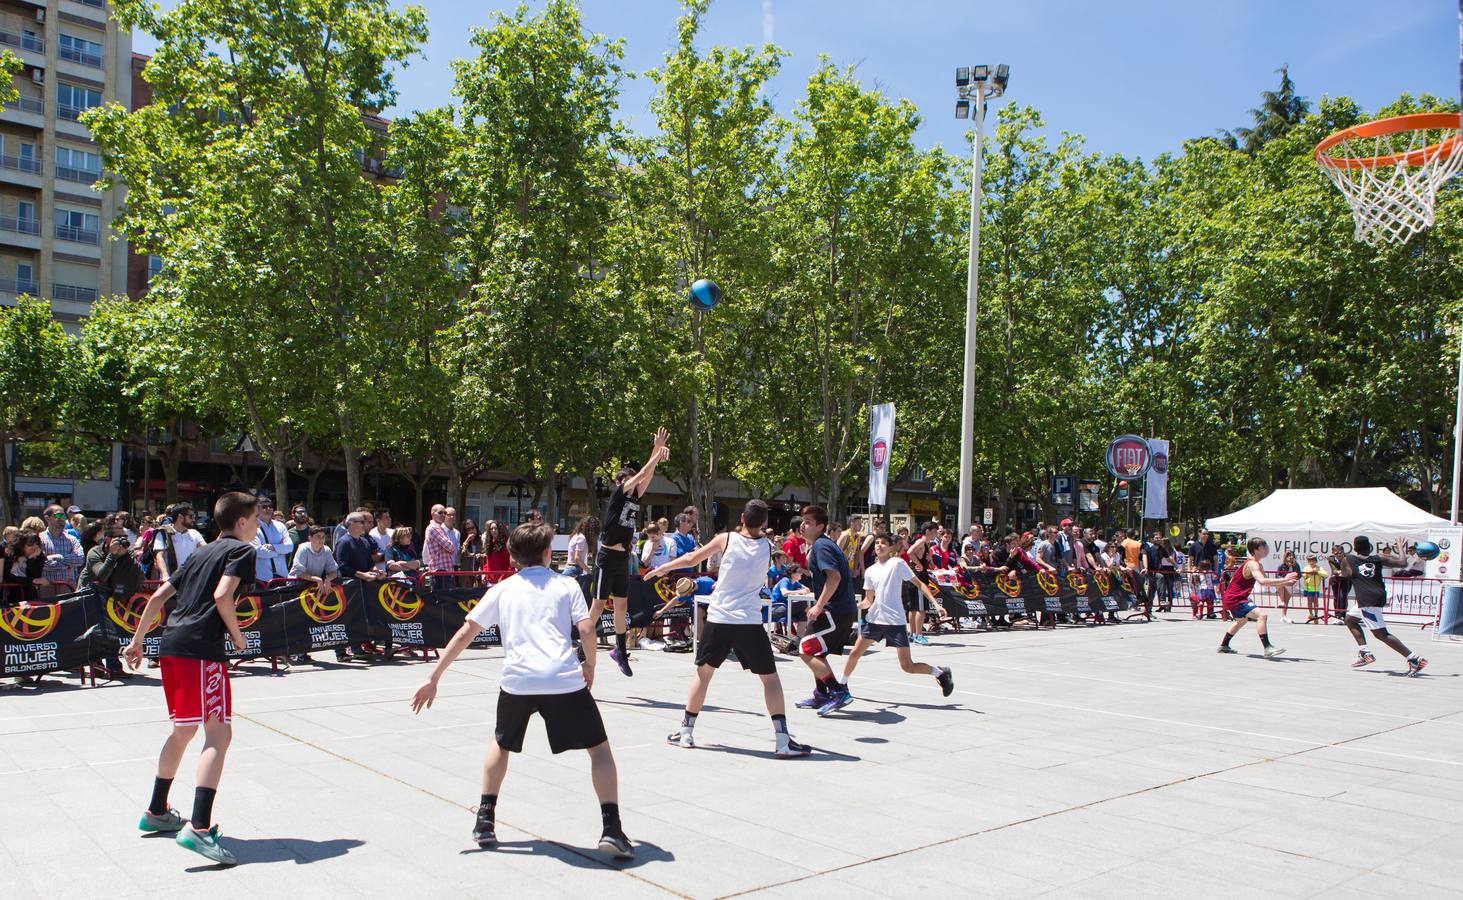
[(1390, 171)]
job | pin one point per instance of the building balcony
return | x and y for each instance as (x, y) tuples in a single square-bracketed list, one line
[(16, 232), (73, 293), (19, 286), (83, 176), (21, 164), (77, 235), (71, 54), (25, 111), (22, 41)]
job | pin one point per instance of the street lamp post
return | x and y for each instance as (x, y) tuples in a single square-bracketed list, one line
[(980, 84)]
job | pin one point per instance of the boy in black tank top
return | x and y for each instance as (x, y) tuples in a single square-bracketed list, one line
[(612, 562)]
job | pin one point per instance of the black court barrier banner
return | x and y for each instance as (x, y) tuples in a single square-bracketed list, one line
[(645, 598), (983, 594), (60, 634)]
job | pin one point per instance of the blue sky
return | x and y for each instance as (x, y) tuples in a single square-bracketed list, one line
[(1135, 77)]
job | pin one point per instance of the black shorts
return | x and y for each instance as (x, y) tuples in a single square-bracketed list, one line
[(612, 578), (891, 635), (572, 720), (826, 634), (754, 650), (911, 595)]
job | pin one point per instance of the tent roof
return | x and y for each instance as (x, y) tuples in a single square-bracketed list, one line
[(1374, 511)]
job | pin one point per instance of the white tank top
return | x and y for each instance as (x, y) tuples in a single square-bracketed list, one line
[(737, 597)]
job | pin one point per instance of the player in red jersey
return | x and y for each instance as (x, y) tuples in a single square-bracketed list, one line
[(1237, 597)]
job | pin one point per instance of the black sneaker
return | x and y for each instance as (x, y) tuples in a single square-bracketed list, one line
[(616, 845), (483, 832), (947, 682), (1225, 648)]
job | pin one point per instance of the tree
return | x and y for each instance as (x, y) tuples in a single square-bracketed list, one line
[(245, 173), (35, 359), (533, 348), (693, 201), (1278, 112), (864, 222)]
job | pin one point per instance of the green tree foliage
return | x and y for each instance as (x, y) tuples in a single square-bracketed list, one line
[(35, 359)]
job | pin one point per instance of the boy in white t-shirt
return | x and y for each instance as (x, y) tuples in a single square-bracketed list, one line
[(734, 623), (884, 614), (536, 611)]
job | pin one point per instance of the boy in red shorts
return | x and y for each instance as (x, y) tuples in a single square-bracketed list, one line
[(195, 669), (1237, 602)]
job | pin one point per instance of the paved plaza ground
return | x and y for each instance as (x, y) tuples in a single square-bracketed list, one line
[(1126, 761)]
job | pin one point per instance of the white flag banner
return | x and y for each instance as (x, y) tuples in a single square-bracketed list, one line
[(881, 443), (1155, 489)]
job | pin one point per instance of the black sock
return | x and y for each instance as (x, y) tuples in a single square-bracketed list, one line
[(610, 814), (779, 724), (828, 685), (1265, 641), (487, 807), (203, 807), (620, 642), (688, 720), (1227, 637), (159, 804)]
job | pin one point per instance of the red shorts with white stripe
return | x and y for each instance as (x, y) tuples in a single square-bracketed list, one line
[(197, 690)]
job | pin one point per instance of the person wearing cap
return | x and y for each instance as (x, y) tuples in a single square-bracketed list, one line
[(75, 522), (272, 544)]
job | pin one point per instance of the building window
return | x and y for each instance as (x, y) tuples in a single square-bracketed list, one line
[(72, 100), (74, 225), (80, 50), (73, 292), (154, 266), (77, 165)]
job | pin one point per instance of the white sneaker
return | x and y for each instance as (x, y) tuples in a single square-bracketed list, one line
[(1271, 652), (681, 738), (649, 644)]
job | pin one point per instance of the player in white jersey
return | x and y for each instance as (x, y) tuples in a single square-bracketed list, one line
[(884, 617), (734, 622)]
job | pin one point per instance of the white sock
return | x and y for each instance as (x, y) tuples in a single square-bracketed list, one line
[(1412, 657), (937, 672)]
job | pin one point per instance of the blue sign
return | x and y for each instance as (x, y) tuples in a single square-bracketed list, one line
[(1062, 489)]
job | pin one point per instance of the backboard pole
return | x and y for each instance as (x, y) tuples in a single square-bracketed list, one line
[(1458, 413)]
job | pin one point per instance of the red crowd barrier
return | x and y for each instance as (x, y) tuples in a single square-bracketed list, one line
[(1410, 600)]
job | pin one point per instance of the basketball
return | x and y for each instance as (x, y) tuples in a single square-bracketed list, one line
[(1427, 550), (704, 294)]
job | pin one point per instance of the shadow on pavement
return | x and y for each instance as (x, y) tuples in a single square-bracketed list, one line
[(579, 857), (296, 850)]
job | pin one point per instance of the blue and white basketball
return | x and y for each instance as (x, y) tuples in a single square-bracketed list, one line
[(1427, 550), (704, 294)]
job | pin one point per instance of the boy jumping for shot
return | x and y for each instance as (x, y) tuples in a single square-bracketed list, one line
[(1364, 568), (621, 524), (195, 669), (884, 616), (1237, 603), (537, 612), (734, 622)]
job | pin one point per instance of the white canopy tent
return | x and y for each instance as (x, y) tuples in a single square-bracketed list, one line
[(1376, 512)]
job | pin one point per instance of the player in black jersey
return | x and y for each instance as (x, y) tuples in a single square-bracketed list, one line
[(621, 522), (1369, 592)]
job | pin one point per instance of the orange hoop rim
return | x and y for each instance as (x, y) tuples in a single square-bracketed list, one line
[(1394, 125)]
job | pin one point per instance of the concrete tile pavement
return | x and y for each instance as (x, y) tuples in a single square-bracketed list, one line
[(1083, 762)]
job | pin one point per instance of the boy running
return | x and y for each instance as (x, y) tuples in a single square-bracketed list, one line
[(1236, 600), (1364, 568), (621, 524), (884, 619), (195, 669), (537, 611), (734, 622), (831, 617)]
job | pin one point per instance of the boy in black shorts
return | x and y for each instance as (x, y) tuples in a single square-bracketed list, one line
[(537, 611), (832, 615), (1364, 568), (734, 622), (884, 616), (195, 669), (621, 523)]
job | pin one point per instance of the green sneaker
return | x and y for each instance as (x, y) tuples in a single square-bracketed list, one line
[(168, 821), (205, 843)]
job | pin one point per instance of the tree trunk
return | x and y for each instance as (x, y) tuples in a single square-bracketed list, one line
[(281, 487), (7, 489), (171, 456), (353, 486)]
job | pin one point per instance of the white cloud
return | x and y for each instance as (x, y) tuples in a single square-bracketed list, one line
[(767, 21)]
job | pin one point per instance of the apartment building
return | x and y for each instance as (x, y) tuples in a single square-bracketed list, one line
[(54, 227)]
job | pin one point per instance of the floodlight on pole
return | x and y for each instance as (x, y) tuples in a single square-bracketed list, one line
[(979, 87)]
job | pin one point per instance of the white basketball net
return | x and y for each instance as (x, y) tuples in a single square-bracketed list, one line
[(1395, 198)]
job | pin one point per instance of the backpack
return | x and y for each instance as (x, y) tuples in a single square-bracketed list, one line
[(147, 557)]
